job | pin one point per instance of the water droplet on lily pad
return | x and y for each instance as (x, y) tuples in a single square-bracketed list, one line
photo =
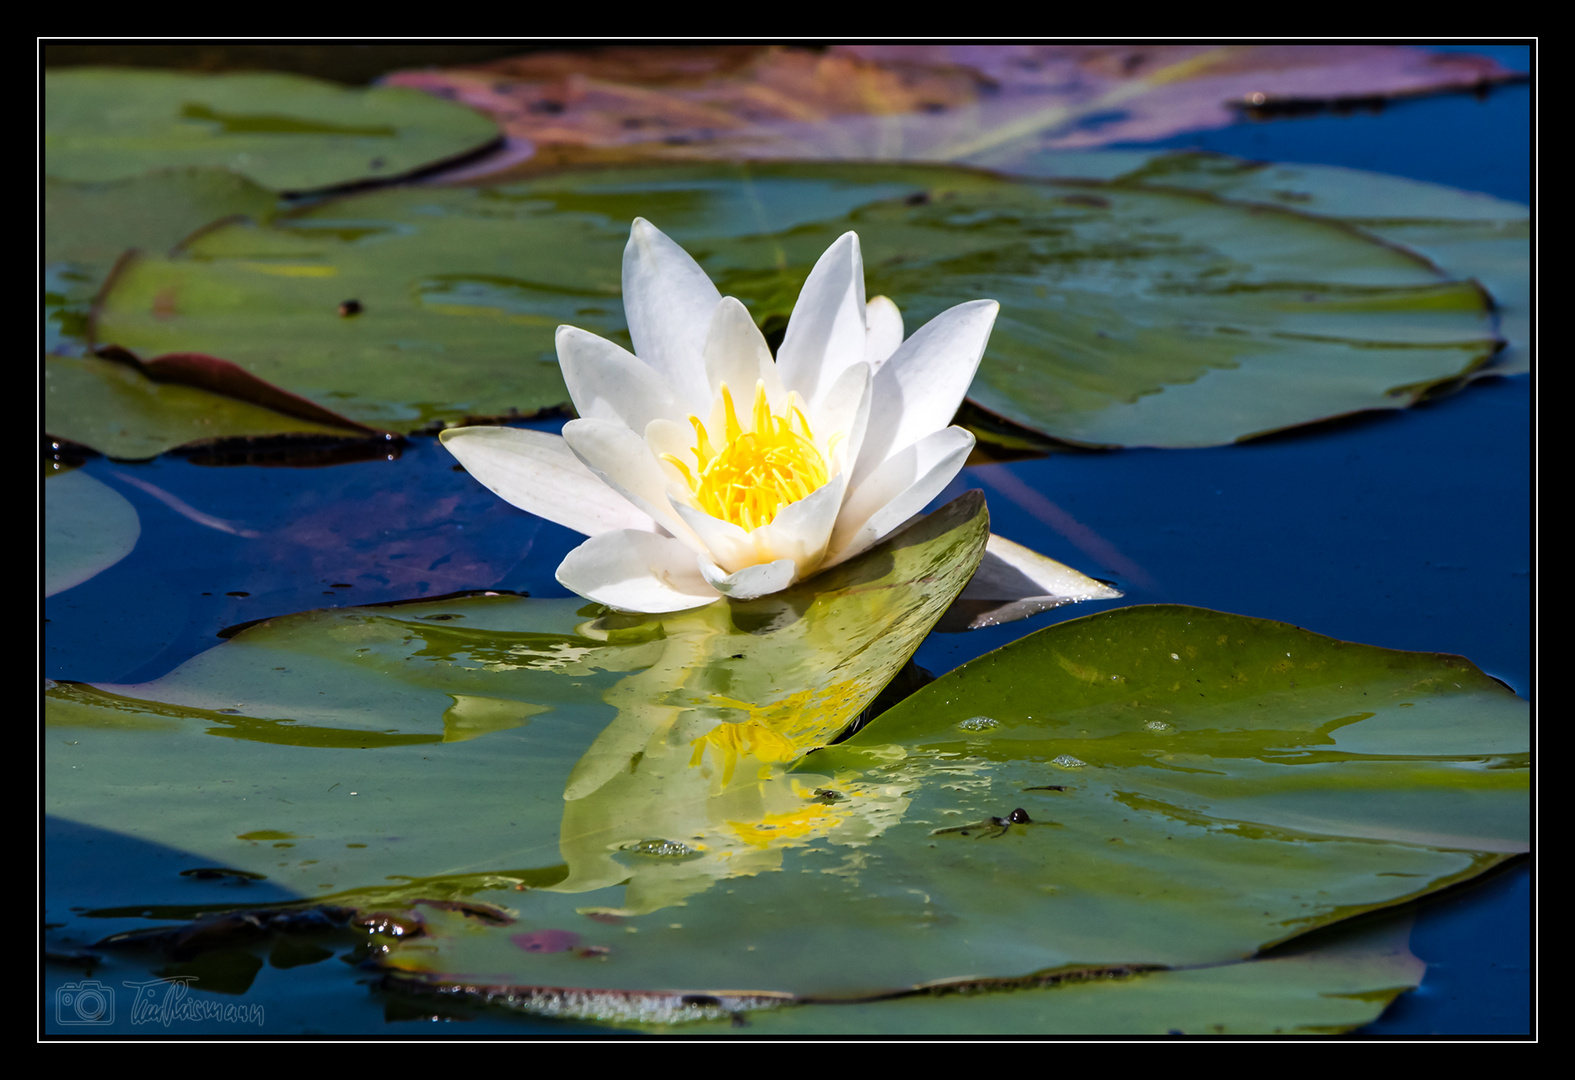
[(1067, 761), (979, 723), (1157, 725)]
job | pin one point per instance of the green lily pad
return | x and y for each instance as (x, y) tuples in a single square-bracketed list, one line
[(88, 527), (1343, 983), (1144, 321), (93, 224), (122, 413), (1129, 316), (1467, 234), (1151, 786), (461, 291), (287, 132), (88, 227)]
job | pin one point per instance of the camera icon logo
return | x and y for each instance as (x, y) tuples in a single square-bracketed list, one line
[(85, 1002)]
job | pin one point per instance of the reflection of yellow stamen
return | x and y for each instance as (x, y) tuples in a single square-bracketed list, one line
[(782, 730), (792, 825), (733, 741), (757, 472)]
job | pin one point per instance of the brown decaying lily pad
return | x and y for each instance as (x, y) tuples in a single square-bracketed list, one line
[(916, 102), (676, 94)]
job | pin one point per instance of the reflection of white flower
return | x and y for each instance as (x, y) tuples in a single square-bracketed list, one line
[(701, 468)]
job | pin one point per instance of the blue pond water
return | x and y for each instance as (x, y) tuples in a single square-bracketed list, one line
[(1409, 530)]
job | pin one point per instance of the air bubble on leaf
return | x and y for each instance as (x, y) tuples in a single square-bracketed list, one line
[(979, 723), (1067, 761), (670, 849)]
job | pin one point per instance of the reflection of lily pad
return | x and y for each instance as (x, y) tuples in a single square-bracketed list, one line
[(1128, 316), (287, 132), (88, 527)]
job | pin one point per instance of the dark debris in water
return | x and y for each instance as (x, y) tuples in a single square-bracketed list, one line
[(66, 453), (229, 930), (1280, 107), (487, 913), (77, 958), (304, 451), (391, 924), (546, 941), (219, 873), (993, 827)]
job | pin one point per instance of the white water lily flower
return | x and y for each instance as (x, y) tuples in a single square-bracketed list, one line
[(701, 468)]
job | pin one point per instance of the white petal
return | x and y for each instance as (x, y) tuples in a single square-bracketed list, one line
[(607, 382), (897, 490), (884, 332), (736, 353), (623, 461), (636, 571), (1012, 583), (801, 531), (677, 439), (538, 472), (919, 389), (728, 545), (826, 332), (1012, 572), (846, 409), (668, 301), (762, 579)]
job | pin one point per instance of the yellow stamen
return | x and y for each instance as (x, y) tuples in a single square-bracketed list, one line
[(755, 473), (732, 429)]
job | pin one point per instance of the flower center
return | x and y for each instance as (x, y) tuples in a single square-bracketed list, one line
[(754, 474)]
